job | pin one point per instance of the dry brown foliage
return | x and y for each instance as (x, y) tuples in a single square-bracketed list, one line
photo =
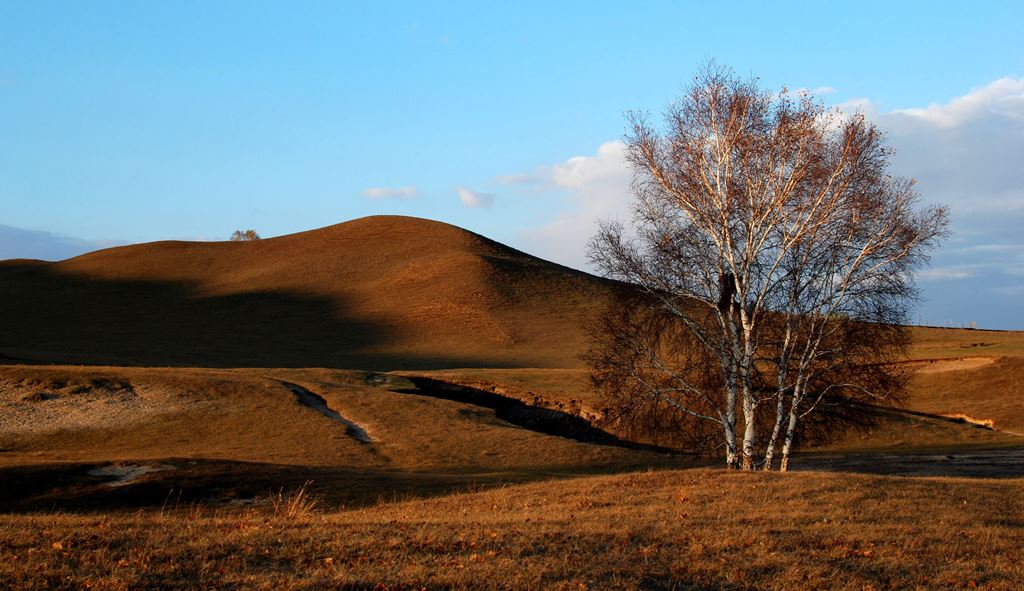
[(768, 234)]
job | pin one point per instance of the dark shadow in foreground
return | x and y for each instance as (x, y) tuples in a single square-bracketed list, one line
[(974, 463), (182, 483)]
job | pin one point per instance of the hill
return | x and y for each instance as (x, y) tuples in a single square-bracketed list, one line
[(383, 292)]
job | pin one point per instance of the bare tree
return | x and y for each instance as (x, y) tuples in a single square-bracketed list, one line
[(769, 236), (239, 235)]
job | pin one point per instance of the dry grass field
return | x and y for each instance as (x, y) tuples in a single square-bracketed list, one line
[(694, 529), (223, 436), (161, 404)]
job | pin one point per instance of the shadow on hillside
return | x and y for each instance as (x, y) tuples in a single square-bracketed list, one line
[(542, 420), (181, 483), (50, 317)]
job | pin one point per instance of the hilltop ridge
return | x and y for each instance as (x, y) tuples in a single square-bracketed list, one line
[(381, 292)]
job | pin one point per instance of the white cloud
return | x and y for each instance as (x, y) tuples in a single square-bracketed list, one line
[(596, 188), (944, 274), (589, 172), (517, 179), (1003, 98), (965, 153), (19, 243), (391, 193), (470, 198), (818, 90)]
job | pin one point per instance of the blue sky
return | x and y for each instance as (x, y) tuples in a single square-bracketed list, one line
[(140, 121)]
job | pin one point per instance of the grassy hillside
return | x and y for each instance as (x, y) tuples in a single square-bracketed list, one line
[(383, 292)]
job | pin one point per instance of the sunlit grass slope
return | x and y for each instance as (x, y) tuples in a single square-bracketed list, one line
[(384, 292)]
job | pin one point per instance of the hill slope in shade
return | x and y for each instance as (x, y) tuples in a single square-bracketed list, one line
[(383, 292)]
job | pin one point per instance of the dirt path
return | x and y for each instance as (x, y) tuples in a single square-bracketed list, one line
[(318, 404), (927, 366), (122, 474)]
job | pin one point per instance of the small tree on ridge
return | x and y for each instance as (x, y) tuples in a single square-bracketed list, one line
[(239, 235)]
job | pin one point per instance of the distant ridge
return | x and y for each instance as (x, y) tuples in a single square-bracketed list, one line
[(381, 292)]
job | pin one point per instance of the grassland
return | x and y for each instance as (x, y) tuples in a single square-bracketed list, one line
[(694, 529), (160, 405)]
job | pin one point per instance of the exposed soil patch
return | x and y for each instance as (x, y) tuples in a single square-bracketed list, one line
[(34, 405), (958, 364), (961, 417), (317, 403), (123, 474)]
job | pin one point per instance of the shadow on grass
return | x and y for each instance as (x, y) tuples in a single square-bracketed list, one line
[(973, 463), (179, 483), (51, 316), (542, 420)]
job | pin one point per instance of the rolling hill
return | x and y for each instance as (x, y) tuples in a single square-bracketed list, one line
[(382, 292), (398, 400)]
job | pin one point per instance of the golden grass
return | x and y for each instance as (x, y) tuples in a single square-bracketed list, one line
[(294, 504), (394, 293), (990, 392), (943, 343), (985, 389), (698, 529), (250, 415), (383, 292)]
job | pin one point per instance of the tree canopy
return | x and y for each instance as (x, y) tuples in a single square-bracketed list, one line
[(773, 256), (240, 235)]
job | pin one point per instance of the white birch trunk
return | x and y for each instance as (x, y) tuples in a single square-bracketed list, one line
[(729, 424), (749, 431), (773, 441), (794, 415)]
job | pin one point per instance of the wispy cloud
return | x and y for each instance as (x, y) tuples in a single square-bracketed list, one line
[(471, 198), (944, 274), (517, 179), (391, 193), (1001, 98), (18, 243), (595, 187), (818, 90), (993, 248)]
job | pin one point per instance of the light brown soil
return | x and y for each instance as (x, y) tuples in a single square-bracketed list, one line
[(956, 364)]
